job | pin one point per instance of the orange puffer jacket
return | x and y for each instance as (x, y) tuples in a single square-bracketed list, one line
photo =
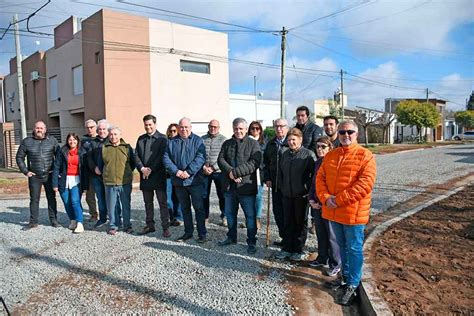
[(348, 173)]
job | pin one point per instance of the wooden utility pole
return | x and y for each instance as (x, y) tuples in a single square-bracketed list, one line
[(342, 94), (283, 65), (427, 95), (19, 77)]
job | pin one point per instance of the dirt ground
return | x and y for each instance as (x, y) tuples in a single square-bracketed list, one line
[(424, 264)]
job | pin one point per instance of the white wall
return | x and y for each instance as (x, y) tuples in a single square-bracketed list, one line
[(242, 105)]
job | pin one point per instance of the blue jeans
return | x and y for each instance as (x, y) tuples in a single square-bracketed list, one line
[(217, 178), (173, 204), (100, 193), (119, 194), (186, 196), (259, 201), (328, 249), (72, 203), (350, 239), (247, 202)]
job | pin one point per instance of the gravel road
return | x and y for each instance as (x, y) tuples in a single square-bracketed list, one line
[(49, 270)]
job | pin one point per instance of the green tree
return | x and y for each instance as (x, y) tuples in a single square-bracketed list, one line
[(465, 118), (334, 109), (413, 113), (470, 103)]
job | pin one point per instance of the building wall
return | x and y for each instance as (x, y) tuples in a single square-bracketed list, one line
[(321, 109), (60, 62), (176, 93), (242, 105)]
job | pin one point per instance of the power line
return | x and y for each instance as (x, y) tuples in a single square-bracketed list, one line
[(27, 19), (365, 80), (343, 10)]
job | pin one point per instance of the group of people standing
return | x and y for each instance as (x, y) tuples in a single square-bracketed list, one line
[(331, 175)]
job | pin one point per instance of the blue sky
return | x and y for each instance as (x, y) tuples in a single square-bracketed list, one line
[(388, 48)]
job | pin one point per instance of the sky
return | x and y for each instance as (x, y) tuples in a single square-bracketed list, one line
[(386, 48)]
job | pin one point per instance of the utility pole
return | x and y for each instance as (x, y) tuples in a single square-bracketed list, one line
[(255, 94), (427, 95), (283, 65), (342, 94), (20, 77)]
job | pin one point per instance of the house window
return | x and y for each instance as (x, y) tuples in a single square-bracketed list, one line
[(77, 80), (97, 57), (194, 66), (53, 88)]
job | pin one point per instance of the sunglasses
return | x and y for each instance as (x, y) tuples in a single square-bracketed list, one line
[(348, 132), (255, 128), (173, 131), (322, 146)]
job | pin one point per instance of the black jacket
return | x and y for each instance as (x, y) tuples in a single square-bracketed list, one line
[(271, 161), (311, 132), (94, 154), (86, 148), (40, 153), (151, 156), (242, 157), (60, 170), (296, 172)]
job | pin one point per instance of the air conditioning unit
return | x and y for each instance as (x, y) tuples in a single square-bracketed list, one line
[(34, 76)]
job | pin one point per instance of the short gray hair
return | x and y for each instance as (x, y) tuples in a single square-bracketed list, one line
[(280, 120), (349, 122), (239, 120), (184, 119), (103, 121), (90, 121), (114, 128)]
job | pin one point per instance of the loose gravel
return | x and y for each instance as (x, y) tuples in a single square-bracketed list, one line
[(52, 271)]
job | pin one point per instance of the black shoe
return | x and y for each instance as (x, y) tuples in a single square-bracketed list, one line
[(30, 226), (251, 249), (201, 239), (55, 224), (226, 242), (348, 295), (335, 284), (184, 238), (278, 243), (99, 223)]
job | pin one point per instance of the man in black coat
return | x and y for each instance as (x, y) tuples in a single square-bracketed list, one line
[(40, 150), (86, 148), (149, 152), (239, 159), (311, 132)]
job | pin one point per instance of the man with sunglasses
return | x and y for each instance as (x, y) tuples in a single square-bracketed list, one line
[(213, 141), (344, 186)]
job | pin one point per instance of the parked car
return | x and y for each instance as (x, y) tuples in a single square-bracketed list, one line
[(469, 135)]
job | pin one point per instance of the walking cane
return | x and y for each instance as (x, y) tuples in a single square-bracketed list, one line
[(267, 240)]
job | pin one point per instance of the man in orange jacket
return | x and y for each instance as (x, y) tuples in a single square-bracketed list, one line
[(344, 186)]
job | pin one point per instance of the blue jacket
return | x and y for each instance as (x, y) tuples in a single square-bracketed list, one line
[(188, 155), (60, 170)]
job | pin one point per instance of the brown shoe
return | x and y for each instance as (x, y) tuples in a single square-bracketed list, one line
[(30, 226), (147, 230), (259, 223), (93, 218), (166, 233)]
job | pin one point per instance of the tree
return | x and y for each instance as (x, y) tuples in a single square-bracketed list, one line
[(334, 109), (413, 113), (365, 118), (386, 120), (470, 103), (465, 118)]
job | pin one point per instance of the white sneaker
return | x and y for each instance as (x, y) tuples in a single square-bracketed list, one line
[(73, 225), (79, 229)]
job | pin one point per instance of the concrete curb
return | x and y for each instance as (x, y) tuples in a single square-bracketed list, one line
[(371, 301)]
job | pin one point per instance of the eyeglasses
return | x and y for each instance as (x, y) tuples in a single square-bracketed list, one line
[(255, 128), (322, 146), (344, 132), (212, 126), (173, 131), (280, 126)]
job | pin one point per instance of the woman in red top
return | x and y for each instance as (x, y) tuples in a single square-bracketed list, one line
[(67, 180)]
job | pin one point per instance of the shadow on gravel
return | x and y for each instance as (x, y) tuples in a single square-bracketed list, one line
[(21, 216), (468, 157), (209, 257), (125, 284)]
